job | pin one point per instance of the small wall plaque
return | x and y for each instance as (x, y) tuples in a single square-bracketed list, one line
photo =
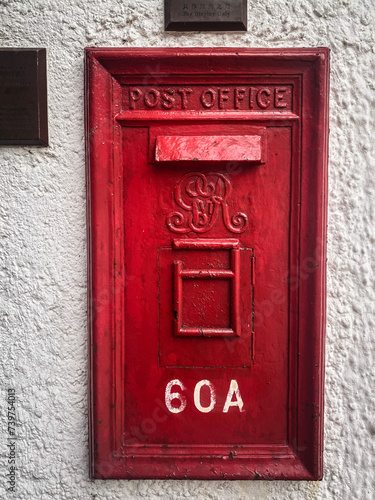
[(205, 15), (23, 97)]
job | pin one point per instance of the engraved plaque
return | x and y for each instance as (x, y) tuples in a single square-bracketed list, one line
[(23, 97), (205, 15)]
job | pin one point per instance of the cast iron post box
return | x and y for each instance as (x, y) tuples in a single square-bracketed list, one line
[(207, 224)]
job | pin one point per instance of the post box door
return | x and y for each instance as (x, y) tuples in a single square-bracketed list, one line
[(198, 287)]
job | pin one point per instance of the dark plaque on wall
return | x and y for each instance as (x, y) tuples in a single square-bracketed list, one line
[(205, 15), (23, 97)]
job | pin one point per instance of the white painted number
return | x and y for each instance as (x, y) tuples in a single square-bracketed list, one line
[(197, 396), (170, 396), (233, 391)]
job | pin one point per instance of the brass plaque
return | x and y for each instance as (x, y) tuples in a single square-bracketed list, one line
[(205, 15), (23, 97)]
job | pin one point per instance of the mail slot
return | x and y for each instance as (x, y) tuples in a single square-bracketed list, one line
[(207, 191), (208, 148)]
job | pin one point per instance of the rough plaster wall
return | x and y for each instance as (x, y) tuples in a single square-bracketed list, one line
[(43, 247)]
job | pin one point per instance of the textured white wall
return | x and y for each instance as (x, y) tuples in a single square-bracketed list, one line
[(43, 247)]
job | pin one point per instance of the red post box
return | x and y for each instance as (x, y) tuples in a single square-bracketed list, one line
[(207, 184)]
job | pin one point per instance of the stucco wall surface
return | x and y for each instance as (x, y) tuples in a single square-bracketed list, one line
[(43, 248)]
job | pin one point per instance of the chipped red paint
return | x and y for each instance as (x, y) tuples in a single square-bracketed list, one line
[(207, 194)]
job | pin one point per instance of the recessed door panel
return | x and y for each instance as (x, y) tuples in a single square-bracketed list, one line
[(202, 258)]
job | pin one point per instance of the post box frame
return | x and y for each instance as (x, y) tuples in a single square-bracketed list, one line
[(106, 70)]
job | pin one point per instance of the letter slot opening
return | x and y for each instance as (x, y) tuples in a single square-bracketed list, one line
[(241, 148)]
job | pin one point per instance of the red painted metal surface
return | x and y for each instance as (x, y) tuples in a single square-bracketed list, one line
[(207, 185), (208, 148)]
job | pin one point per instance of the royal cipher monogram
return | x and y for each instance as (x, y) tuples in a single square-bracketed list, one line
[(203, 198)]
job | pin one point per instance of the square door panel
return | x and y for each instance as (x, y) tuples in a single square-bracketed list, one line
[(205, 303)]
